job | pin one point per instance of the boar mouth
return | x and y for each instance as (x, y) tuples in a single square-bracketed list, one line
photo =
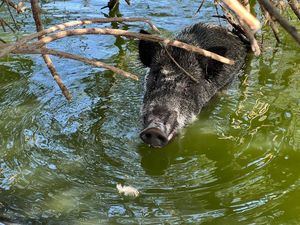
[(154, 137), (160, 125), (157, 134)]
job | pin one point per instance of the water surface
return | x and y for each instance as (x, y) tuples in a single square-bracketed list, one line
[(60, 162)]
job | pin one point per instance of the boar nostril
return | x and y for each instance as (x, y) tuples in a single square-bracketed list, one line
[(161, 138), (154, 137)]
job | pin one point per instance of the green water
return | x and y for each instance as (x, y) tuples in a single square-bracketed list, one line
[(239, 163)]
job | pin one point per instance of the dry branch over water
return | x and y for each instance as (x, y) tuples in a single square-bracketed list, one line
[(25, 46), (243, 14), (63, 26), (66, 55), (39, 27), (22, 47), (281, 20)]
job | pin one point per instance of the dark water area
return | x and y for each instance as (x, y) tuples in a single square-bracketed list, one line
[(60, 162)]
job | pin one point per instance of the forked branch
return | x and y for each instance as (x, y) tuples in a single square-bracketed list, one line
[(69, 24), (66, 55), (39, 27), (132, 35)]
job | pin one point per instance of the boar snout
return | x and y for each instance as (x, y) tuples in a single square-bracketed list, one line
[(154, 137), (160, 125)]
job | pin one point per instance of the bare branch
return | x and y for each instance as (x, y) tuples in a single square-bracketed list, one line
[(4, 23), (61, 54), (19, 8), (243, 14), (250, 35), (272, 24), (274, 29), (282, 21), (200, 6), (180, 67), (231, 19), (216, 3), (134, 35), (10, 13), (39, 27), (2, 41), (63, 26), (295, 6), (244, 29), (36, 10)]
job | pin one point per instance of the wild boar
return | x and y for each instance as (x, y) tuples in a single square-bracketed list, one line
[(173, 99)]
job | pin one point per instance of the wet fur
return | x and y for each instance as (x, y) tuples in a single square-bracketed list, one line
[(169, 91)]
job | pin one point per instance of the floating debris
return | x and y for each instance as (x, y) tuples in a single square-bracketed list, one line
[(128, 190)]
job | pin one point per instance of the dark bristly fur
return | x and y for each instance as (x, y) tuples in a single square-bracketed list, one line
[(172, 99)]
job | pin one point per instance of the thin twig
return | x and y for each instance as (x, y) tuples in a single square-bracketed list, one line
[(272, 24), (239, 24), (19, 8), (4, 23), (200, 6), (282, 21), (134, 35), (216, 3), (231, 19), (295, 6), (180, 67), (237, 29), (113, 4), (63, 26), (274, 30), (11, 15), (61, 54), (250, 35), (2, 41), (39, 27)]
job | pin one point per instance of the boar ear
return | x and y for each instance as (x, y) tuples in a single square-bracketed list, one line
[(210, 66), (147, 50)]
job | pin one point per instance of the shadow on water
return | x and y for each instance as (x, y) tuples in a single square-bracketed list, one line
[(155, 161)]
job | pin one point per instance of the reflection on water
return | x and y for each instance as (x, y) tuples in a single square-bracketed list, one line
[(60, 162)]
